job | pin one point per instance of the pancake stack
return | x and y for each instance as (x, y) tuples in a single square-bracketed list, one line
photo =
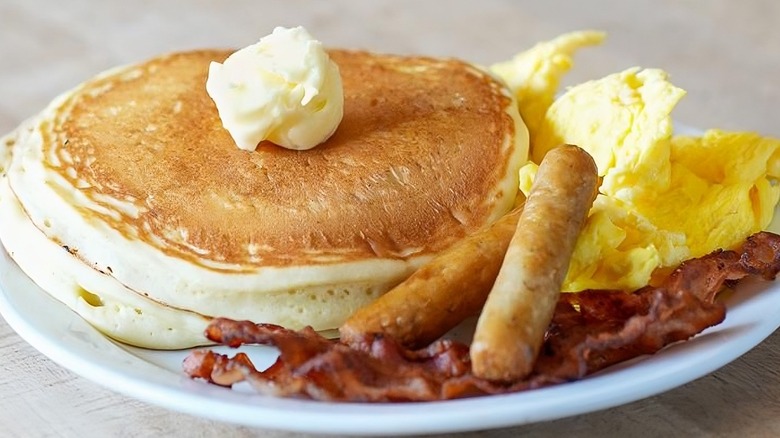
[(128, 201)]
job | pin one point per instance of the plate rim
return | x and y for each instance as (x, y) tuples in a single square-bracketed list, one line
[(486, 412)]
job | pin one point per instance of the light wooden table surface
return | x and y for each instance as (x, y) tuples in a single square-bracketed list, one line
[(725, 53)]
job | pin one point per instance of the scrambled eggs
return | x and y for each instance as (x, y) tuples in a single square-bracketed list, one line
[(534, 75), (663, 198)]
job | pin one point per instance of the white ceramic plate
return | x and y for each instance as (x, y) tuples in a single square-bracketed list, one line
[(155, 376)]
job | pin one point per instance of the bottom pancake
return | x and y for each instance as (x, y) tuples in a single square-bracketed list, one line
[(102, 301), (112, 308)]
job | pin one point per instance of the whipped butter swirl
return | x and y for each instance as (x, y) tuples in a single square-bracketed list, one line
[(284, 89)]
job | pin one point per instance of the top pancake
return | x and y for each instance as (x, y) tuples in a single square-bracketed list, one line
[(427, 152)]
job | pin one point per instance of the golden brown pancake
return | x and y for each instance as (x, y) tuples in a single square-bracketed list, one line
[(159, 197), (407, 168)]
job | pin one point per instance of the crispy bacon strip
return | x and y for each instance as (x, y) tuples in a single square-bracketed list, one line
[(590, 330)]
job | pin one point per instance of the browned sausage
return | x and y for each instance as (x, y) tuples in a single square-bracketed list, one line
[(442, 293), (511, 327)]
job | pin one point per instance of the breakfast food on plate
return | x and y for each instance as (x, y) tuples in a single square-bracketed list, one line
[(518, 310), (165, 222), (664, 198), (623, 122), (291, 187), (441, 293), (456, 283), (590, 331)]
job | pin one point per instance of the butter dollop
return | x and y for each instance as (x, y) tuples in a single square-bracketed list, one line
[(284, 89)]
